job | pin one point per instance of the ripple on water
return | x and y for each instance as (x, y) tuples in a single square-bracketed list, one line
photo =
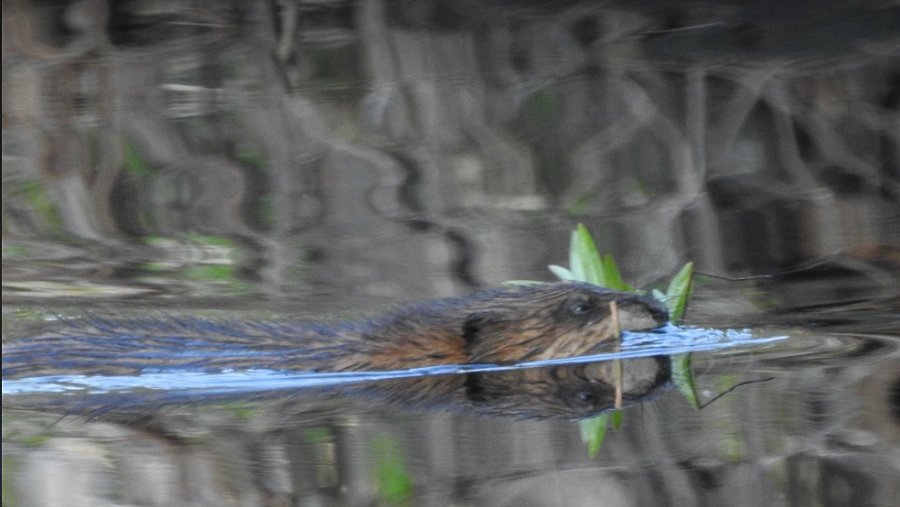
[(809, 347)]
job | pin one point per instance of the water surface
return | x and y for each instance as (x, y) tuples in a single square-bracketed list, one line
[(316, 159)]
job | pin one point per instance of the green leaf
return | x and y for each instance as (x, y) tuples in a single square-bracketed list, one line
[(593, 431), (679, 292), (561, 272), (613, 276), (683, 378), (584, 258)]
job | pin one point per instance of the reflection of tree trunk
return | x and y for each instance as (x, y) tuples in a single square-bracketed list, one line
[(355, 467), (288, 132)]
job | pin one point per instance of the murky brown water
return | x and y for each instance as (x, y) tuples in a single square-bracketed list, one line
[(309, 159)]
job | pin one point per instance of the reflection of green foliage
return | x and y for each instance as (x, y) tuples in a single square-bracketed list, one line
[(36, 195), (213, 272), (265, 211), (36, 440), (542, 107), (586, 264), (142, 173), (205, 239), (335, 67), (28, 439), (616, 419), (15, 251), (394, 482), (252, 158), (640, 187), (218, 268), (737, 451), (9, 469), (219, 273), (152, 240), (320, 435), (263, 207), (240, 410), (22, 314), (593, 431), (134, 164), (580, 205), (683, 378), (735, 447)]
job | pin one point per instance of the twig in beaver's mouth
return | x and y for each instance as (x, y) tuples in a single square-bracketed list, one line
[(617, 364)]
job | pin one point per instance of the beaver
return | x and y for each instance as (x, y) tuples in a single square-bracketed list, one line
[(496, 326)]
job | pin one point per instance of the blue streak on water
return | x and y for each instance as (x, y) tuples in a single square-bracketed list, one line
[(668, 340)]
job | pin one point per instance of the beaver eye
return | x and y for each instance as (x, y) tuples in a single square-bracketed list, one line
[(586, 397), (580, 307)]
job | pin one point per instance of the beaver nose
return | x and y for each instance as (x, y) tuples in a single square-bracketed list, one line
[(658, 310), (642, 312)]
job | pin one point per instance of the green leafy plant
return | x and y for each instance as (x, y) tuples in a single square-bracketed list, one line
[(587, 264), (676, 298), (394, 482)]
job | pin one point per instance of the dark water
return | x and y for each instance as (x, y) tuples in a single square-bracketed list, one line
[(309, 159)]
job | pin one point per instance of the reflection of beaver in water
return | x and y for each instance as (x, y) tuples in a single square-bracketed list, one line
[(499, 326), (494, 326)]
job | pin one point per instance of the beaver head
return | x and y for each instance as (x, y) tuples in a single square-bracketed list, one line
[(551, 321)]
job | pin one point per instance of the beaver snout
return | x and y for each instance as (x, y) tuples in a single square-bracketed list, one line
[(588, 305), (640, 313)]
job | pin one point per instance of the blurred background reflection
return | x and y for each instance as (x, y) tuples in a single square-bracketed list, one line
[(304, 157)]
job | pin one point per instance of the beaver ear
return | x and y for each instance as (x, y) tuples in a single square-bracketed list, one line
[(476, 323)]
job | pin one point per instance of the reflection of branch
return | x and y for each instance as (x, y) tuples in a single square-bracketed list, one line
[(668, 132), (733, 117), (787, 143), (835, 150), (732, 388), (820, 122)]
